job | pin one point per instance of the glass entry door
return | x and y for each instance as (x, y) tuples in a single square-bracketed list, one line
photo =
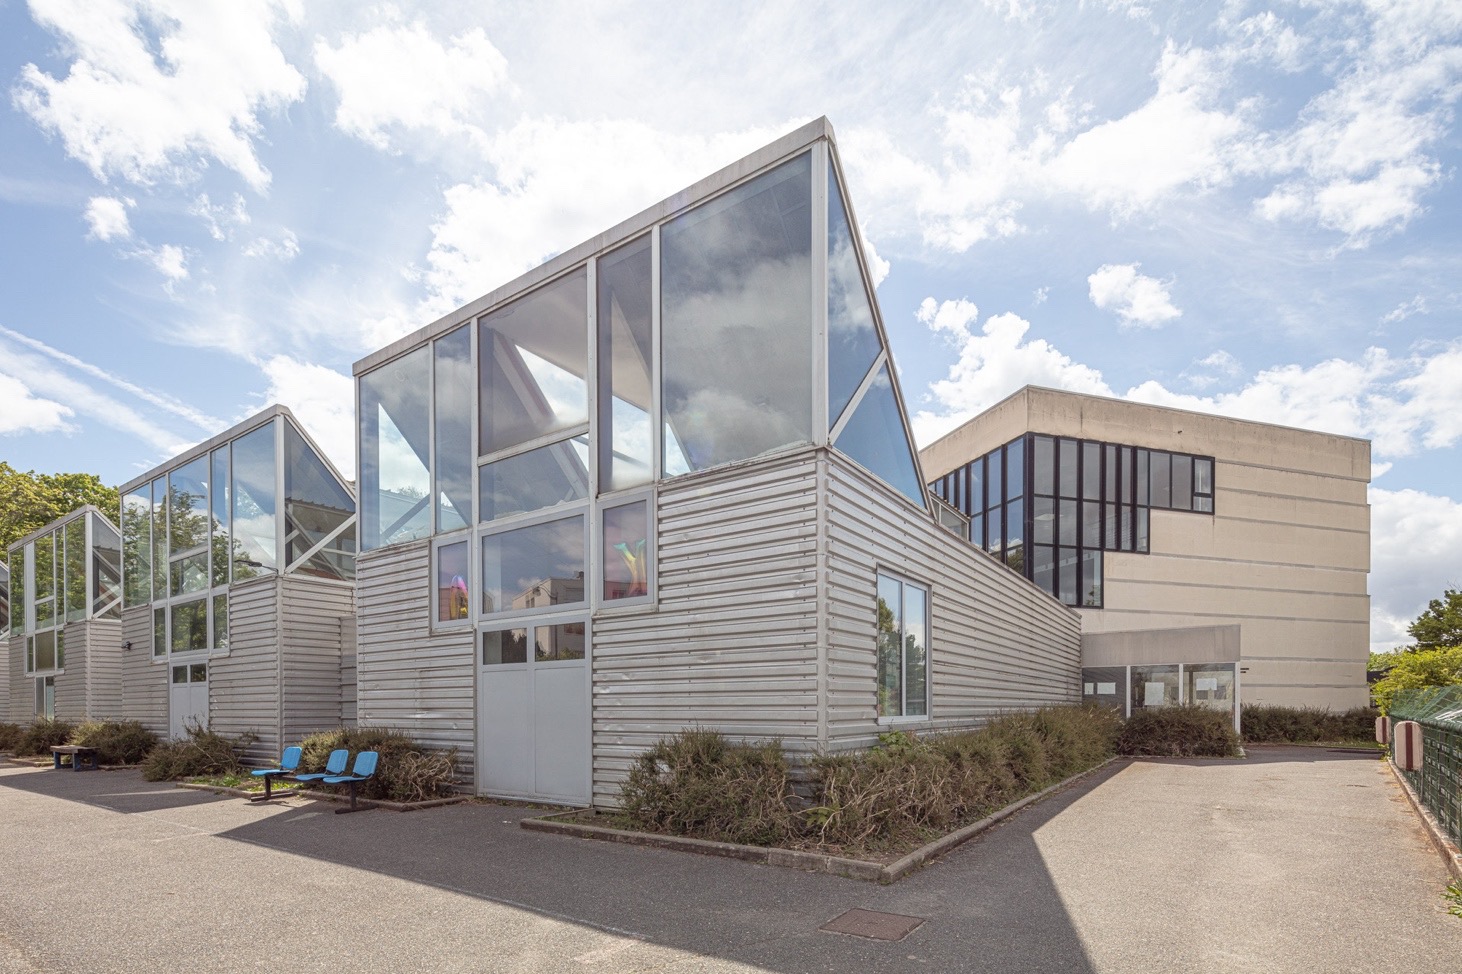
[(533, 712)]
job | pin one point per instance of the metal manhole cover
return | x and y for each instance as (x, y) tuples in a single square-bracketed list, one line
[(873, 925)]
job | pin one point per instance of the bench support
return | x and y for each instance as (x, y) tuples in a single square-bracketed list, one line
[(353, 806)]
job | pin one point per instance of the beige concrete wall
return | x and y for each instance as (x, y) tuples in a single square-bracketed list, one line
[(1200, 644), (1285, 555)]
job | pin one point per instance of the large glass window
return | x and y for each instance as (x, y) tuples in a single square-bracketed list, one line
[(852, 336), (77, 596), (189, 626), (1209, 685), (137, 545), (625, 379), (903, 648), (533, 480), (316, 509), (533, 365), (45, 581), (4, 600), (627, 551), (254, 503), (1154, 686), (452, 422), (160, 538), (106, 568), (18, 598), (534, 567), (395, 450), (736, 321), (874, 437), (1106, 686), (189, 519), (220, 492)]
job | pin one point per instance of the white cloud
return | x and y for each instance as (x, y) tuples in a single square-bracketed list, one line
[(26, 413), (554, 185), (158, 88), (1140, 301), (1404, 310), (1211, 369), (1416, 552), (285, 249), (400, 77), (324, 402), (221, 219), (169, 260), (993, 363), (106, 218), (1040, 295)]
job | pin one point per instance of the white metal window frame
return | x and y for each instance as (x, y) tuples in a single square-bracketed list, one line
[(928, 714), (562, 512), (556, 616), (461, 536)]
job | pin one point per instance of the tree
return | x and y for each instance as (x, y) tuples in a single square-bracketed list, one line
[(1419, 668), (1441, 623), (29, 500)]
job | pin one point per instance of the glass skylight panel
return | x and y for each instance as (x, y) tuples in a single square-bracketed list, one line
[(624, 321), (254, 503), (533, 365), (452, 385), (852, 336), (395, 448), (315, 505), (736, 321), (874, 437)]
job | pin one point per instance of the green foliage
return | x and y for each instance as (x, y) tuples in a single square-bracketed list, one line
[(116, 741), (1421, 668), (1180, 732), (29, 500), (699, 784), (10, 735), (202, 752), (1453, 896), (1383, 661), (1441, 623), (41, 736), (405, 771), (1264, 724)]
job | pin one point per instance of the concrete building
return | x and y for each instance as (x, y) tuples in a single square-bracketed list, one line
[(1235, 550), (238, 561), (666, 480), (63, 654)]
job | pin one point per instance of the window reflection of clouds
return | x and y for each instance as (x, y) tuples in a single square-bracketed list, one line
[(736, 320), (254, 502), (874, 436), (534, 566), (852, 338), (624, 321), (395, 449)]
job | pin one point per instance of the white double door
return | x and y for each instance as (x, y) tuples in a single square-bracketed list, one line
[(533, 722), (187, 697)]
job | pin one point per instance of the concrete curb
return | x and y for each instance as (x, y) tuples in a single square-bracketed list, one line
[(863, 869), (1439, 839), (324, 796)]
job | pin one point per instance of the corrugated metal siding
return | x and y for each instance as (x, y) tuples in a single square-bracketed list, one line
[(997, 643), (71, 685), (20, 699), (732, 642), (312, 614), (407, 677), (103, 668), (347, 671), (243, 686), (144, 683)]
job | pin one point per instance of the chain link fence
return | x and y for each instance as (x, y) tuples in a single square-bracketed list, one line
[(1439, 782)]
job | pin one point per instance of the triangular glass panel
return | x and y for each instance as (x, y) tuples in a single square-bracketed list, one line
[(852, 337), (874, 437), (315, 505)]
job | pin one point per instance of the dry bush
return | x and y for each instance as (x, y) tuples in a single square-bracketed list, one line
[(405, 771), (10, 735), (41, 736), (116, 741), (201, 753), (1180, 732)]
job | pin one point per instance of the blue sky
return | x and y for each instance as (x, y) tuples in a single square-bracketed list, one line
[(1245, 208)]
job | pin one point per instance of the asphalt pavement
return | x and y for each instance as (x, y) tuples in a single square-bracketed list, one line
[(1296, 859)]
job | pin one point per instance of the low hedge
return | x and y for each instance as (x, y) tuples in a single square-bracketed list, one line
[(201, 753), (1264, 724), (42, 735), (116, 741), (405, 771), (1179, 732), (10, 735)]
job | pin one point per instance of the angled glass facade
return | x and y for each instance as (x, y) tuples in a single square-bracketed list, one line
[(69, 571), (740, 326), (1050, 507), (261, 502)]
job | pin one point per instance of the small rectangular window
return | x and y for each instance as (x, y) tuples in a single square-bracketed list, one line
[(558, 642), (627, 551), (1091, 524), (1066, 467), (1043, 520), (1091, 579), (188, 626), (452, 582), (1091, 471), (975, 504), (1182, 482), (902, 648), (159, 631), (1162, 486), (220, 622), (994, 477), (1043, 568), (1015, 470), (1043, 480), (503, 646)]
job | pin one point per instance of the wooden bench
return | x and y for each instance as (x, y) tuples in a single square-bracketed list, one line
[(80, 757)]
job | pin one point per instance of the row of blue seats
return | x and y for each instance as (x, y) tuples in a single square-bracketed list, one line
[(334, 773)]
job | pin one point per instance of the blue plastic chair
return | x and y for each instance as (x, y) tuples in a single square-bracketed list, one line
[(289, 762), (365, 767), (335, 764)]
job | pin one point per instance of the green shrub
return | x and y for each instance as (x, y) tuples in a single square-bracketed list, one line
[(699, 784), (41, 736), (1185, 731), (202, 752), (1419, 668), (405, 771), (10, 735), (116, 741), (1307, 725)]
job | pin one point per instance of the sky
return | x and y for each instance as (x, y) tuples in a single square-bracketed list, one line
[(1243, 208)]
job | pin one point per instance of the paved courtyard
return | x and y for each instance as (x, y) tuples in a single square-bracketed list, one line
[(1296, 860)]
